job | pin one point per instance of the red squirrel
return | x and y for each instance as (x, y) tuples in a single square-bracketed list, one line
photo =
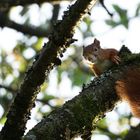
[(128, 88), (100, 59)]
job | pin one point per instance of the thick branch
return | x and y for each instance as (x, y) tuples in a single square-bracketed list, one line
[(79, 116), (24, 101)]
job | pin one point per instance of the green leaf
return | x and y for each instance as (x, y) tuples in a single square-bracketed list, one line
[(119, 10), (111, 23), (2, 120), (137, 10), (49, 97), (88, 21), (122, 15), (38, 45)]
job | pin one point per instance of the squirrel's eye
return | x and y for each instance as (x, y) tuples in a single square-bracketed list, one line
[(95, 49), (89, 59)]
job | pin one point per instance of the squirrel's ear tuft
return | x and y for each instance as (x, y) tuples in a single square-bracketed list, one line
[(96, 42)]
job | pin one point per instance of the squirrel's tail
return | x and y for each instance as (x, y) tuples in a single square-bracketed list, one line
[(128, 89)]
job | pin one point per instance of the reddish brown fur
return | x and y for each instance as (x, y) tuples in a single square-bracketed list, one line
[(87, 50), (128, 89), (108, 54), (101, 56)]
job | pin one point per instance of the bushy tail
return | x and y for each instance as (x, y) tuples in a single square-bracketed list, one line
[(128, 88)]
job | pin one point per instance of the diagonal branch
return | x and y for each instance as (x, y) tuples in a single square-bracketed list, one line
[(80, 115), (61, 38)]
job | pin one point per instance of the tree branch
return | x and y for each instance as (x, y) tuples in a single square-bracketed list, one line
[(55, 12), (25, 29), (48, 58), (29, 29), (103, 5), (13, 91), (80, 115)]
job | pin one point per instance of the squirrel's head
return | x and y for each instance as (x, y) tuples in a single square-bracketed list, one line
[(91, 51)]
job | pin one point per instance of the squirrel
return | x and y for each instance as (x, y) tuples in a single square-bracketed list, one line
[(127, 88), (100, 59)]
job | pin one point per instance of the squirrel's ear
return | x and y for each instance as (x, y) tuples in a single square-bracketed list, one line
[(97, 42)]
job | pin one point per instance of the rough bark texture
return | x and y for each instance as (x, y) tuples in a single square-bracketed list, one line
[(79, 116), (61, 37)]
